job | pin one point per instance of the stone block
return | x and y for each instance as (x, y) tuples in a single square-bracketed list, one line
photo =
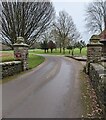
[(11, 68)]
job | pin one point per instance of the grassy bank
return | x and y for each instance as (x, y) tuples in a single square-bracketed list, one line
[(35, 60), (57, 52)]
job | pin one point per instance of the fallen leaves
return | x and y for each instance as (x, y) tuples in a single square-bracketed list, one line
[(89, 98)]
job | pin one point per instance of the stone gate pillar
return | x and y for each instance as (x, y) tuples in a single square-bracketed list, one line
[(94, 52), (103, 41), (21, 52)]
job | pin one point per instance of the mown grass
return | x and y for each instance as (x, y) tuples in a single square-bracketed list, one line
[(57, 52), (35, 60), (9, 55), (7, 58)]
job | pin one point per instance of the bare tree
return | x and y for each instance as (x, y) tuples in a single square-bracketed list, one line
[(26, 19), (96, 16), (80, 44), (56, 37), (47, 41), (51, 45), (65, 28), (44, 46)]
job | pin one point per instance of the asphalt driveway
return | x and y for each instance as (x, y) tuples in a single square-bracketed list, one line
[(50, 91)]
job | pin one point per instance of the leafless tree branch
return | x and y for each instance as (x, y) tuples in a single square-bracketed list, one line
[(26, 19)]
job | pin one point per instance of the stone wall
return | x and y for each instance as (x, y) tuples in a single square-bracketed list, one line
[(10, 68), (96, 69), (97, 74), (104, 50)]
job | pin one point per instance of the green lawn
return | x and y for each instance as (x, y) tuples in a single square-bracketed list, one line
[(56, 52), (8, 58), (9, 55), (35, 60)]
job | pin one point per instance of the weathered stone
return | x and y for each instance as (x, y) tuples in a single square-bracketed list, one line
[(94, 39), (21, 52), (11, 68), (103, 41), (98, 79), (96, 68), (94, 54)]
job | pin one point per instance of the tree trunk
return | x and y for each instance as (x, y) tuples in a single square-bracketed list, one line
[(72, 52), (63, 50), (45, 50), (69, 51), (60, 48), (51, 50), (80, 51), (12, 47)]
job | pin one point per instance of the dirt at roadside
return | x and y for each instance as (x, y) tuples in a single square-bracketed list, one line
[(89, 100)]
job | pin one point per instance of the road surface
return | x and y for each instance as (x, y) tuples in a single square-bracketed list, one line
[(50, 91)]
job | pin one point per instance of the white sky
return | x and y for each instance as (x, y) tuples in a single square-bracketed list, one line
[(77, 10)]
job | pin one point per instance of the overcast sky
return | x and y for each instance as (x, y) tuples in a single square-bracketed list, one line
[(77, 11)]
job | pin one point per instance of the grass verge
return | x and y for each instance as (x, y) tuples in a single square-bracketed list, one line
[(35, 60)]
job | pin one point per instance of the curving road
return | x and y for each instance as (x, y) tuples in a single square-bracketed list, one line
[(52, 90)]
